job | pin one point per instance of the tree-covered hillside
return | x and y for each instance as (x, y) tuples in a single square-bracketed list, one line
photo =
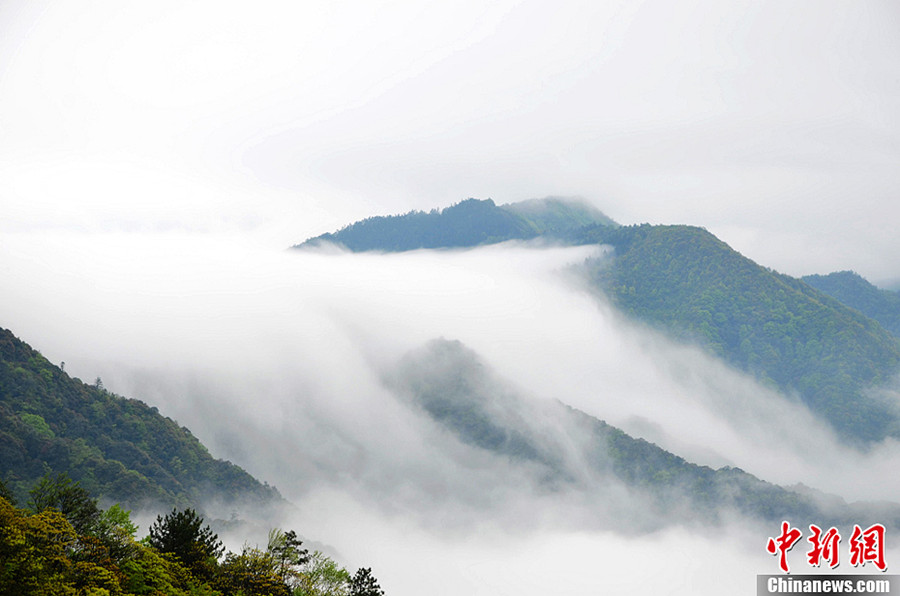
[(687, 282), (469, 223), (691, 284), (569, 449), (854, 291), (62, 543), (118, 449)]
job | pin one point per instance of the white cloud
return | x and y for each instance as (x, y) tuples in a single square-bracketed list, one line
[(764, 120), (275, 359)]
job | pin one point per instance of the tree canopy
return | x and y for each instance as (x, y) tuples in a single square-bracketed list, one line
[(43, 554), (183, 534)]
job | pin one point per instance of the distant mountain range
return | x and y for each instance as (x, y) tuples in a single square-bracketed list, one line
[(828, 340), (825, 339), (120, 450), (564, 448)]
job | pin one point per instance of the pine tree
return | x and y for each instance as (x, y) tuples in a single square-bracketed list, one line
[(365, 584), (183, 534)]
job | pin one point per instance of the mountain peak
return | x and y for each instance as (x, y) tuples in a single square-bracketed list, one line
[(471, 222)]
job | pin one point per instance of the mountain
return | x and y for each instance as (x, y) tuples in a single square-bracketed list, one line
[(851, 289), (569, 450), (689, 283), (118, 449), (469, 223), (694, 287)]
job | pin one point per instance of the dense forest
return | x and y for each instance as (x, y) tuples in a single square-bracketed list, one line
[(63, 544), (121, 450)]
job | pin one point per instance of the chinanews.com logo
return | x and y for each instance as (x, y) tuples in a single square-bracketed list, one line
[(865, 546)]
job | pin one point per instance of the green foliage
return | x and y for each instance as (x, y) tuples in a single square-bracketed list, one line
[(465, 224), (321, 576), (116, 532), (38, 424), (34, 553), (469, 223), (148, 573), (42, 554), (286, 550), (251, 572), (852, 290), (117, 448), (684, 280), (67, 497), (183, 534)]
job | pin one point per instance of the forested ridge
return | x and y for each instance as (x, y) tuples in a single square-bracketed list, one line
[(689, 283), (829, 345), (569, 449), (119, 449)]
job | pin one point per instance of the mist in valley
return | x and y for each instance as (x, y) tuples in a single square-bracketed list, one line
[(279, 361)]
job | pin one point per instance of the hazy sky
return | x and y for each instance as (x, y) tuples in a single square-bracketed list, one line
[(774, 124)]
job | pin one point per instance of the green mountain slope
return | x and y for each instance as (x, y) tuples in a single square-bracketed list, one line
[(691, 284), (687, 282), (854, 291), (118, 449), (570, 449), (469, 223)]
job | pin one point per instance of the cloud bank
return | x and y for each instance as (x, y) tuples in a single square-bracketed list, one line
[(276, 361)]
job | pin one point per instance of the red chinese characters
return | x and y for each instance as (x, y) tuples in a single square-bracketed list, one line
[(784, 543), (823, 546), (867, 546)]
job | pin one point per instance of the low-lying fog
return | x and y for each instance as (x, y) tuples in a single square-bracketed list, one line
[(275, 361)]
